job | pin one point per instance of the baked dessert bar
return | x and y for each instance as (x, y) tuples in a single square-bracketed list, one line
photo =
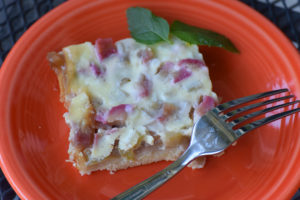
[(131, 104)]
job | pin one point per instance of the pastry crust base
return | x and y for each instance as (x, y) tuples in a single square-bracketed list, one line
[(142, 156)]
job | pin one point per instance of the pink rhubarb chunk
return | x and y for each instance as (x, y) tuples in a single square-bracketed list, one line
[(145, 55), (105, 47), (115, 116), (83, 139), (96, 70), (166, 68), (207, 104), (167, 110), (145, 86), (190, 62), (119, 113), (181, 75), (101, 117)]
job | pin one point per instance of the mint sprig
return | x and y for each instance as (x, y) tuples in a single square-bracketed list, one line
[(199, 36), (145, 27)]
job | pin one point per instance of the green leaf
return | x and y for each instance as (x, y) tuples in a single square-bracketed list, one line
[(199, 36), (145, 27)]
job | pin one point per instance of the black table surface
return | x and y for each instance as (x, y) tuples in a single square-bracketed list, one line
[(16, 16)]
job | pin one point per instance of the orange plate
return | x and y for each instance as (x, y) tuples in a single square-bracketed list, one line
[(33, 140)]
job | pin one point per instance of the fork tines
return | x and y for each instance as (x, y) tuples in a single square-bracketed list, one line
[(226, 116)]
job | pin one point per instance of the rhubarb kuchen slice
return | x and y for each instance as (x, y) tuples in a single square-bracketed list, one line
[(131, 104)]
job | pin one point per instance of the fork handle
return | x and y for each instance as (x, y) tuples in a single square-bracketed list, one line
[(144, 188)]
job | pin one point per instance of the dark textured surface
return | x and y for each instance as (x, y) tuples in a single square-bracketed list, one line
[(16, 16), (282, 13)]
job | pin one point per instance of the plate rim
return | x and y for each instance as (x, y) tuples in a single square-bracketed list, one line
[(68, 5)]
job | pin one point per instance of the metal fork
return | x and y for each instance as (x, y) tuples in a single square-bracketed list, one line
[(213, 133)]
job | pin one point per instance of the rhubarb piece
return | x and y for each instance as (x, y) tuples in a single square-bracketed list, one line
[(207, 104), (193, 63), (182, 74), (119, 113), (96, 70), (144, 86), (145, 55), (168, 109), (83, 140), (105, 47)]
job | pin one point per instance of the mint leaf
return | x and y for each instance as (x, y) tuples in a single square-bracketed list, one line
[(199, 36), (145, 27)]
